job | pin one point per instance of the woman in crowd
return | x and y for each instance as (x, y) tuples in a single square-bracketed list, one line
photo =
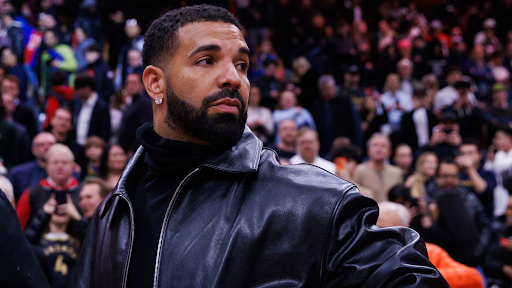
[(288, 108), (80, 43), (426, 167), (259, 118), (94, 149), (113, 162), (374, 116), (449, 226)]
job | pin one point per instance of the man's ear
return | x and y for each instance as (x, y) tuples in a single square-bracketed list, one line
[(155, 82)]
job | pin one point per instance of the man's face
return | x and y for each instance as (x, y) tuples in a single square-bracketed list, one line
[(403, 156), (502, 141), (90, 198), (59, 167), (207, 85), (500, 99), (61, 121), (328, 90), (308, 146), (255, 96), (10, 87), (288, 132), (41, 144), (351, 79), (453, 77), (378, 149), (470, 151), (448, 176), (134, 84), (50, 39), (83, 93), (134, 58), (8, 103), (405, 71), (8, 58)]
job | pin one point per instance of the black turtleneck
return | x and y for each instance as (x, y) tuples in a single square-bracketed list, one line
[(168, 162)]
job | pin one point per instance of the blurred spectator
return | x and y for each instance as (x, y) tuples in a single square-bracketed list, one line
[(376, 174), (88, 19), (488, 38), (479, 70), (80, 44), (426, 167), (99, 69), (498, 267), (305, 79), (288, 108), (287, 135), (395, 101), (29, 174), (14, 34), (447, 178), (308, 147), (14, 67), (61, 128), (95, 148), (56, 56), (116, 109), (446, 136), (112, 164), (59, 167), (93, 118), (475, 178), (346, 158), (448, 95), (138, 112), (268, 83), (134, 61), (8, 147), (455, 273), (450, 226), (135, 40), (259, 118), (402, 158), (405, 71), (93, 191), (8, 190), (418, 124), (351, 88), (60, 96), (21, 113), (373, 115), (469, 116), (499, 114), (335, 116)]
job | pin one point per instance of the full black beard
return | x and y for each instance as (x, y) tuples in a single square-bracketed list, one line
[(222, 129)]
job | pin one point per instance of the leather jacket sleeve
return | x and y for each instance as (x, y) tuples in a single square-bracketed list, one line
[(358, 254)]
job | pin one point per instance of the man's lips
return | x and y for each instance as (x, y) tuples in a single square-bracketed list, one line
[(228, 105)]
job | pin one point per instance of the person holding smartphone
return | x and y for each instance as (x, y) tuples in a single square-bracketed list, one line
[(60, 185)]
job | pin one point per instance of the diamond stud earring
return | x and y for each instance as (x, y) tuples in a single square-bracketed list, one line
[(158, 100)]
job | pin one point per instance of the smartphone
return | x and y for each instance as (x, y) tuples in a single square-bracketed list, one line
[(60, 197), (340, 163)]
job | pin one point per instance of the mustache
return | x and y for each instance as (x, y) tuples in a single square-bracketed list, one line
[(224, 93)]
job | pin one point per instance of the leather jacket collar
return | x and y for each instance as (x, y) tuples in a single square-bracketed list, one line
[(243, 157)]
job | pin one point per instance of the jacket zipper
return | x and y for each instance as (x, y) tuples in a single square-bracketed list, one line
[(164, 225), (132, 236)]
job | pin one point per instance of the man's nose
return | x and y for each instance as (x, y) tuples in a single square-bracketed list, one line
[(229, 77)]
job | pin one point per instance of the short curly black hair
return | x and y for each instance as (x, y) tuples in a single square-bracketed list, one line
[(161, 39)]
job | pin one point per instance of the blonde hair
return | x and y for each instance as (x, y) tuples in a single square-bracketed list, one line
[(6, 186), (59, 148), (418, 187)]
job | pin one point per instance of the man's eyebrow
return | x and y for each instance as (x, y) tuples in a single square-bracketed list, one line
[(244, 50), (207, 47)]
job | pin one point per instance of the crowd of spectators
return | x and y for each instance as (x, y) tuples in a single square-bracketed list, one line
[(409, 99)]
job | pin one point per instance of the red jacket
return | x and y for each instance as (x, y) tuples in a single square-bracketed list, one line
[(52, 104)]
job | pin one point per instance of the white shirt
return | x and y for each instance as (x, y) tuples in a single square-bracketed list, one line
[(448, 95), (84, 119), (391, 102), (319, 161), (420, 119)]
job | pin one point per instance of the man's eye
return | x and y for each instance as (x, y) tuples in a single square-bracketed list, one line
[(206, 61), (242, 66)]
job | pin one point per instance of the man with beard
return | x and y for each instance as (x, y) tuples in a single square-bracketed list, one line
[(203, 204)]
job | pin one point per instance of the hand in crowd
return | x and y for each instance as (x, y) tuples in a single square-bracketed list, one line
[(438, 137), (56, 63), (50, 205), (464, 162), (507, 270), (69, 208)]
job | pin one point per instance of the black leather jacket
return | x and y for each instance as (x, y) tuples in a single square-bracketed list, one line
[(243, 220)]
